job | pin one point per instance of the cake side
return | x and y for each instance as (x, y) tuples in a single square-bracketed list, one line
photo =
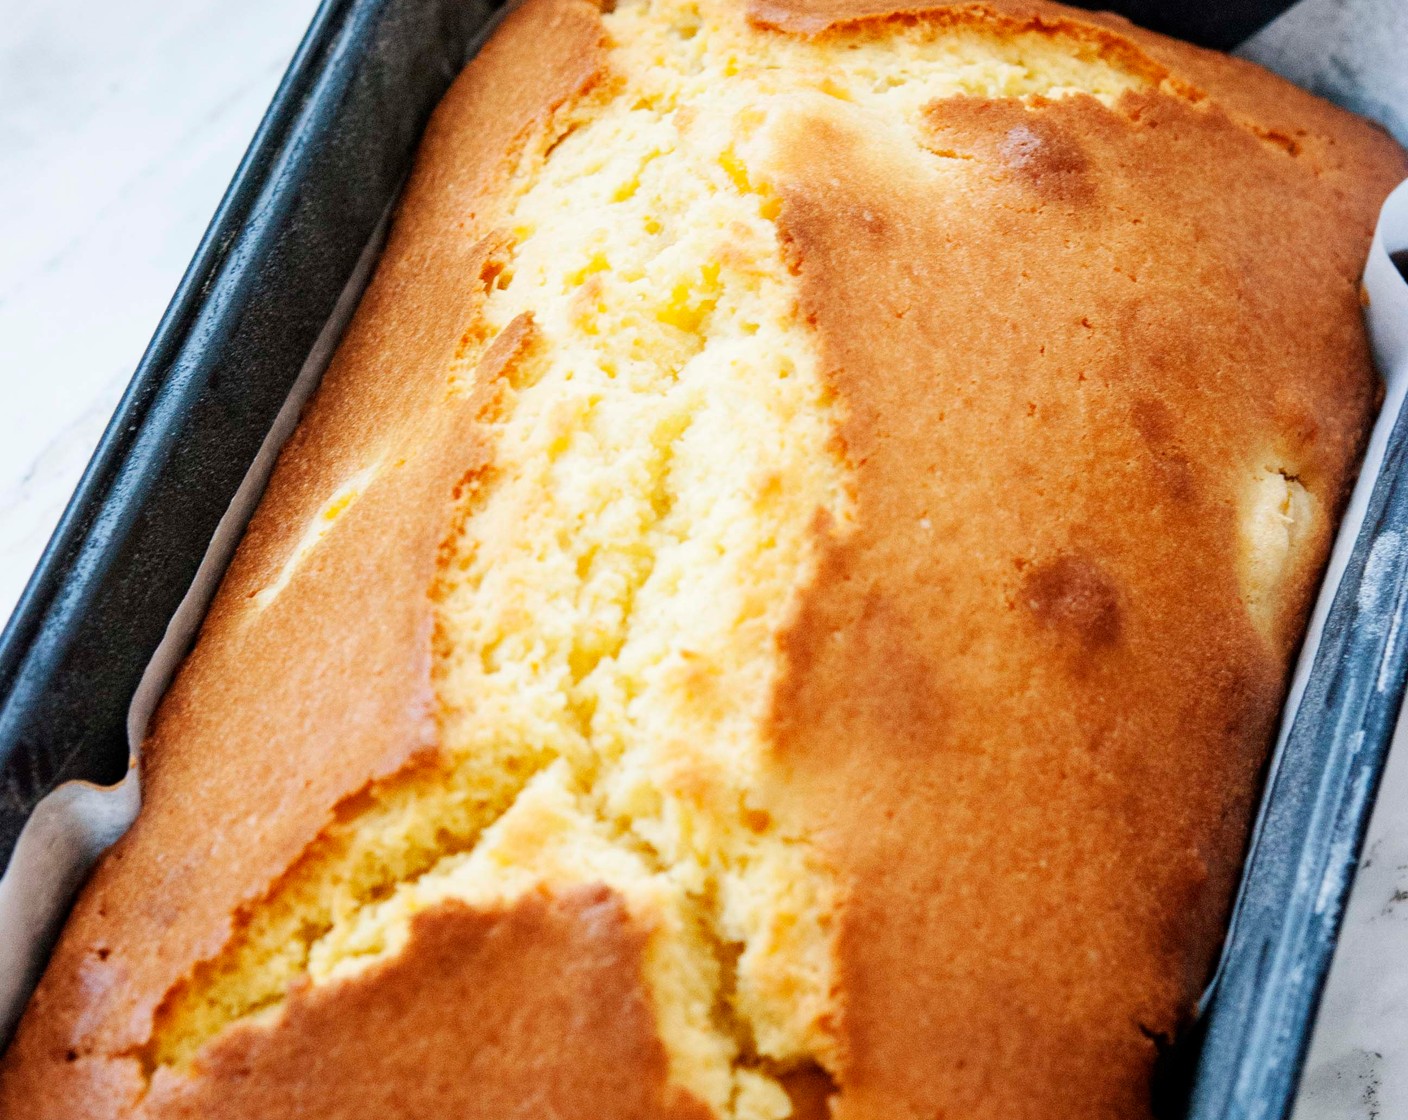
[(801, 547), (340, 666)]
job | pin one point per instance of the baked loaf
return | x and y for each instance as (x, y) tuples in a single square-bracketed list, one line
[(780, 602)]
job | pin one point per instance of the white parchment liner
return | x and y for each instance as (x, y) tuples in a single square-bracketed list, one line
[(75, 823)]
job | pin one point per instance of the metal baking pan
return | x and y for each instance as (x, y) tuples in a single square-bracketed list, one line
[(258, 311)]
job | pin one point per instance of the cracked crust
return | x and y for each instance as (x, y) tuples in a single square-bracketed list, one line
[(456, 1024), (341, 663), (1022, 708)]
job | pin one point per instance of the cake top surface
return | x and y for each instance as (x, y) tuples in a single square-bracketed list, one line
[(783, 593)]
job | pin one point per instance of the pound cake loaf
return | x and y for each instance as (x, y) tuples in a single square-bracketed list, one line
[(780, 603)]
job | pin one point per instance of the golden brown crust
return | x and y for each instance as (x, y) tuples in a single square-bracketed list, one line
[(479, 1015), (1281, 113), (1024, 704), (812, 17), (282, 713), (1052, 705)]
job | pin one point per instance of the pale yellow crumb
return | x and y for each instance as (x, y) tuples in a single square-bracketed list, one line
[(607, 616)]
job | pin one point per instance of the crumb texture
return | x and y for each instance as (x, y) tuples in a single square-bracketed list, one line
[(778, 606), (610, 596)]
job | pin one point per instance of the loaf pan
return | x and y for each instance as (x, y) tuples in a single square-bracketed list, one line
[(122, 585)]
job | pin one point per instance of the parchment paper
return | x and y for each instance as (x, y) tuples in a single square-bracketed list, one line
[(73, 825), (1354, 52)]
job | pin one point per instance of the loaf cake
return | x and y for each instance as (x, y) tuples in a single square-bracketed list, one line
[(780, 603)]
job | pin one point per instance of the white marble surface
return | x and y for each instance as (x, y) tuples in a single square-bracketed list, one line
[(120, 125)]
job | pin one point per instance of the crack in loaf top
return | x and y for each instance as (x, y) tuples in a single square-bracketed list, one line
[(1099, 382)]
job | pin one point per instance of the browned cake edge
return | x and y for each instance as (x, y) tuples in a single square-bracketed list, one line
[(1071, 669)]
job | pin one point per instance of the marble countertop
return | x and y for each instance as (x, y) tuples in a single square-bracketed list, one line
[(120, 126)]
